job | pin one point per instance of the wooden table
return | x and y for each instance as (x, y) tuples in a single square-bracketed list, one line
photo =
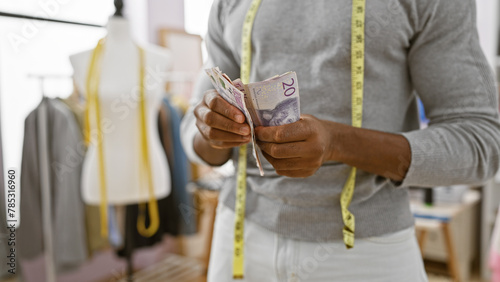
[(438, 217)]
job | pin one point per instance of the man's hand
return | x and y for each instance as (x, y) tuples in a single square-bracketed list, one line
[(221, 126), (297, 149), (220, 123)]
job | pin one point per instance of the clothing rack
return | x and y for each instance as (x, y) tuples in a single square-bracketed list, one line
[(20, 16)]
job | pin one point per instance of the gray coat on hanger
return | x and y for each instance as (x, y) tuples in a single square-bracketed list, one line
[(64, 165)]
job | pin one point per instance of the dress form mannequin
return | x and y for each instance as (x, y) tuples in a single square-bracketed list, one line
[(119, 103)]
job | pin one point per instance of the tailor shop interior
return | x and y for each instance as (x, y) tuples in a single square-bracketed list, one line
[(102, 187)]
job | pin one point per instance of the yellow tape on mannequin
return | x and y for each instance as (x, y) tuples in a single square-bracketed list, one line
[(93, 104), (93, 81), (146, 164)]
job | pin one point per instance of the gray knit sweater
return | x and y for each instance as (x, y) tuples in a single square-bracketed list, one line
[(424, 48)]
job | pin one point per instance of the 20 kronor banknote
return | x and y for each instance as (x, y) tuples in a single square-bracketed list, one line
[(274, 101)]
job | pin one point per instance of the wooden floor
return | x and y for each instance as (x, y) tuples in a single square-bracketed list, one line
[(183, 274), (182, 269), (172, 268)]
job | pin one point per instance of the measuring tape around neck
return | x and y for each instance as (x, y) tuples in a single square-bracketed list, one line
[(357, 83), (241, 182), (93, 82), (357, 72)]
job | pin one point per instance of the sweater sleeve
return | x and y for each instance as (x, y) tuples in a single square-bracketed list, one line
[(456, 85), (219, 55)]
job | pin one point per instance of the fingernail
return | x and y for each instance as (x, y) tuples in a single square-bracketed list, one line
[(244, 130), (239, 117)]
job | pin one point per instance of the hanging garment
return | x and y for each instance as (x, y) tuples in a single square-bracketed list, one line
[(115, 237), (65, 157), (95, 242), (183, 216), (46, 193), (177, 212)]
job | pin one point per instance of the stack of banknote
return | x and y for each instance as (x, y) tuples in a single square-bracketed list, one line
[(274, 101)]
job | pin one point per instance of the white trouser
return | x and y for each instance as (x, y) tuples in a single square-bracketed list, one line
[(270, 257)]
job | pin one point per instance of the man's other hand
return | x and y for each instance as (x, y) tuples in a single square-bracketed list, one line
[(297, 149)]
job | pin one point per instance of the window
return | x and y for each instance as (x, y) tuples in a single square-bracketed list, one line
[(30, 47)]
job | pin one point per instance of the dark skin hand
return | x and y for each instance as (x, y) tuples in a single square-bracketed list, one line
[(300, 148), (221, 127)]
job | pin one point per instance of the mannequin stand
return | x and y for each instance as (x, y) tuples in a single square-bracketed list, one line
[(130, 267)]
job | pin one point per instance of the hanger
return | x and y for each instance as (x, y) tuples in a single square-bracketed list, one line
[(41, 79)]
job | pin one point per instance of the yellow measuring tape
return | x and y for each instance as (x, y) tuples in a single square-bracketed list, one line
[(357, 82), (357, 57), (93, 82), (154, 221), (241, 182)]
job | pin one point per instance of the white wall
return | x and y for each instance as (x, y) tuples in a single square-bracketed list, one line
[(164, 14), (196, 14), (136, 11), (487, 24)]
